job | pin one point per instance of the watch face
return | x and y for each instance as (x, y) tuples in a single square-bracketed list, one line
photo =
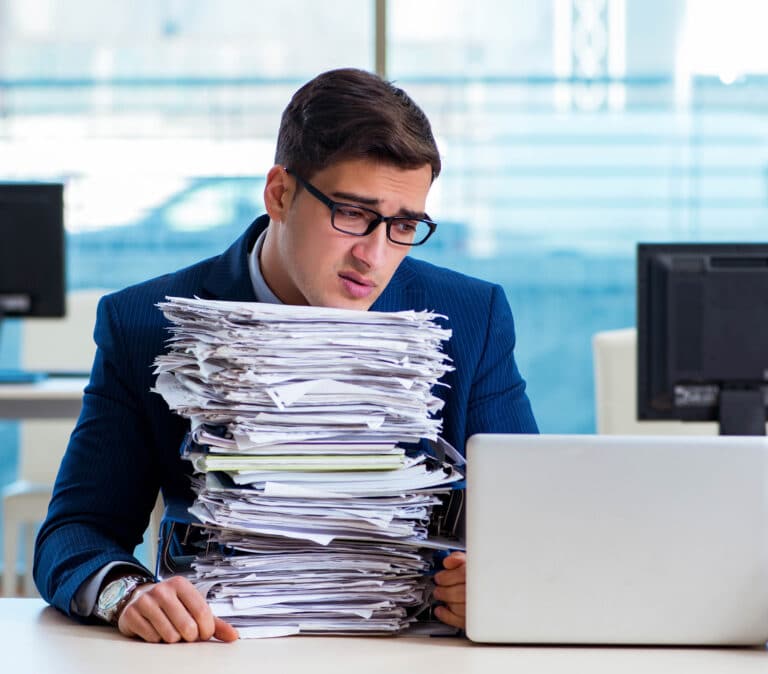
[(112, 594)]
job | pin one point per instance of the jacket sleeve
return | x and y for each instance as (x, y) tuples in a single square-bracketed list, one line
[(498, 402), (107, 483)]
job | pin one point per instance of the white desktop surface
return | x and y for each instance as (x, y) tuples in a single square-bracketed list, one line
[(55, 397), (36, 638)]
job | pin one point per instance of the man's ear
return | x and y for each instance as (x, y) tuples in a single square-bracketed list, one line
[(278, 193)]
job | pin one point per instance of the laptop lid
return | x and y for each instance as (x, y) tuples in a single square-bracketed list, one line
[(617, 540)]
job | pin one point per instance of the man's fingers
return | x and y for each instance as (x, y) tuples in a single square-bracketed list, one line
[(454, 570), (450, 587), (446, 615), (171, 611), (451, 577), (198, 608), (455, 560), (451, 594), (223, 631), (458, 609), (208, 624), (158, 609), (133, 624)]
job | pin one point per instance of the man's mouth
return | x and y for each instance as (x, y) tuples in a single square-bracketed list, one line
[(357, 278), (356, 285)]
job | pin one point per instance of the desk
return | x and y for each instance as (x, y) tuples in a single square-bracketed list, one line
[(39, 639), (52, 398)]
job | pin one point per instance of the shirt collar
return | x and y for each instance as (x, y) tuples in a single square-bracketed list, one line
[(260, 288)]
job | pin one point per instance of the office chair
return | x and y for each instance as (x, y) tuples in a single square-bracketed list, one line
[(615, 366)]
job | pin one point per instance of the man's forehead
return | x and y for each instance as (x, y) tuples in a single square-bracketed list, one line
[(368, 178)]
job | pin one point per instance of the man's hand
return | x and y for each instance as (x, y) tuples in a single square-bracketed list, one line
[(172, 611), (452, 589)]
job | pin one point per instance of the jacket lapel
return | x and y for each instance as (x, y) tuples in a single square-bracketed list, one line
[(401, 293)]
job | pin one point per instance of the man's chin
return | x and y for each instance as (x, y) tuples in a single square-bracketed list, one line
[(362, 304), (353, 305)]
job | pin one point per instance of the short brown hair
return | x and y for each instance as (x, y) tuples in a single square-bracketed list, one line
[(352, 114)]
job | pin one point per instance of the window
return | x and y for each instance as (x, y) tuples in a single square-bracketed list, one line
[(570, 129)]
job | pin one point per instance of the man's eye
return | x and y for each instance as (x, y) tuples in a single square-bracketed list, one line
[(349, 212), (406, 226)]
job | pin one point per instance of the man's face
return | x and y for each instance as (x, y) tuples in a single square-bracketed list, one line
[(305, 261)]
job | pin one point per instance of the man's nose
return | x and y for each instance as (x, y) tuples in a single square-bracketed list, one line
[(372, 249)]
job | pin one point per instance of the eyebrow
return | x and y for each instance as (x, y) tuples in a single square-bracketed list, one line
[(373, 201)]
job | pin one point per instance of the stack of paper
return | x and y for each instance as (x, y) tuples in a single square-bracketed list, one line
[(320, 518), (286, 587), (275, 374)]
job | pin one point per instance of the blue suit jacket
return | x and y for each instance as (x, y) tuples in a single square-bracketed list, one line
[(126, 443)]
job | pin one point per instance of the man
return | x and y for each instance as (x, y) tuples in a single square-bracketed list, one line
[(345, 202)]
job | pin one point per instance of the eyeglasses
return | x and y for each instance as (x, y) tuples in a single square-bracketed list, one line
[(361, 221)]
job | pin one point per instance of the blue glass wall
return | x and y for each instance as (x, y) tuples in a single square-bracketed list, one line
[(570, 131)]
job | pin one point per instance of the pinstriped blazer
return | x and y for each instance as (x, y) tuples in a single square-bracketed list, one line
[(125, 445)]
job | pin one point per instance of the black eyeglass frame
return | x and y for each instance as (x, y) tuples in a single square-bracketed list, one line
[(378, 218)]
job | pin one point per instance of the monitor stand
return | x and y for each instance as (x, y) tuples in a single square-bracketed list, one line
[(742, 412), (15, 375)]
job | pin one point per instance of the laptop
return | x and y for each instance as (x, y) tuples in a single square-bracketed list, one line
[(579, 539)]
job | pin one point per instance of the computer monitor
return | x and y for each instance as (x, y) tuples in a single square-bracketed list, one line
[(702, 328), (32, 281)]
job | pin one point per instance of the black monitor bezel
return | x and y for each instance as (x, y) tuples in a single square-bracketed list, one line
[(646, 252), (47, 295)]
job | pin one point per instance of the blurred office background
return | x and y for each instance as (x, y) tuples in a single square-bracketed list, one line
[(570, 129)]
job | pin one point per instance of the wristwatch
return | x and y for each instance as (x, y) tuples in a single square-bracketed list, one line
[(115, 595)]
